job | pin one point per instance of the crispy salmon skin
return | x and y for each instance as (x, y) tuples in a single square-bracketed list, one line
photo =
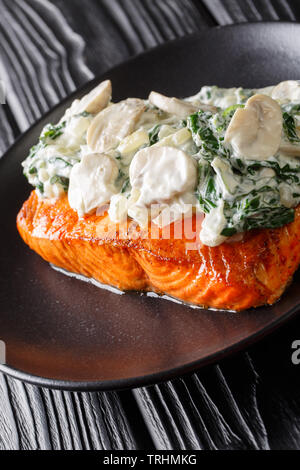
[(234, 276)]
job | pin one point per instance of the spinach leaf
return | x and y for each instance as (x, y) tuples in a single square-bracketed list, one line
[(52, 131), (126, 186), (256, 201), (60, 159), (32, 170), (208, 133), (289, 127), (206, 188), (40, 187), (83, 114), (62, 180), (229, 112), (153, 134)]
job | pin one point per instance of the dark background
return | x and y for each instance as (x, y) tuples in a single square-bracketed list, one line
[(250, 401)]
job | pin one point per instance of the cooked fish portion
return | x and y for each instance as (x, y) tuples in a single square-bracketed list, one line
[(114, 183), (235, 276)]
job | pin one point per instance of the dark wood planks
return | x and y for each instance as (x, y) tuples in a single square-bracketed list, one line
[(33, 418), (204, 411), (49, 48), (238, 11)]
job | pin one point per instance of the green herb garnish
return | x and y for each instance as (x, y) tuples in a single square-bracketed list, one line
[(153, 134), (52, 131), (62, 180), (289, 127), (126, 186)]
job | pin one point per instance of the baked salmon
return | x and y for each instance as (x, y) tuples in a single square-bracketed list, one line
[(238, 275)]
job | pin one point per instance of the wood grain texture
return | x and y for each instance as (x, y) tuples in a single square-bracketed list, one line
[(247, 402), (43, 58), (34, 418), (239, 11), (202, 411)]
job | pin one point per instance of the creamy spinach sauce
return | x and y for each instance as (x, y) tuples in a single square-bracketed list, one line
[(50, 161), (235, 193), (256, 194)]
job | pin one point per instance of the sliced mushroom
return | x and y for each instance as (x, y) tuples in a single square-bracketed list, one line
[(118, 208), (95, 100), (175, 106), (212, 226), (175, 139), (133, 142), (114, 123), (92, 182), (255, 131), (287, 91), (160, 173), (290, 149), (286, 195)]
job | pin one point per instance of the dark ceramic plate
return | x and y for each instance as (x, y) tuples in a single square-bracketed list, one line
[(65, 333)]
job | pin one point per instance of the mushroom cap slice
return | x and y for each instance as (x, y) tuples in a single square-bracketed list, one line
[(180, 108), (92, 182), (133, 142), (95, 100), (213, 224), (114, 123), (287, 91), (290, 149), (255, 131), (175, 139), (160, 173)]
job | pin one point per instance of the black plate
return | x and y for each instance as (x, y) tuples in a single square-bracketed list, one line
[(65, 333)]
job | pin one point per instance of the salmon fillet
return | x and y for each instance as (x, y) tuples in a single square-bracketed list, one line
[(235, 276)]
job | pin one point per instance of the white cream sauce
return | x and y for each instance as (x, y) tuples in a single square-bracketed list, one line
[(138, 153)]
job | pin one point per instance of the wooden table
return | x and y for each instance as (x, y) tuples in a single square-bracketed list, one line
[(250, 401)]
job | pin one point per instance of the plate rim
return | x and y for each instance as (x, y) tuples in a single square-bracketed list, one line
[(182, 370), (149, 379)]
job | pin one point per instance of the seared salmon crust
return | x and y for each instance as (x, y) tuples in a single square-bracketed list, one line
[(235, 276)]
